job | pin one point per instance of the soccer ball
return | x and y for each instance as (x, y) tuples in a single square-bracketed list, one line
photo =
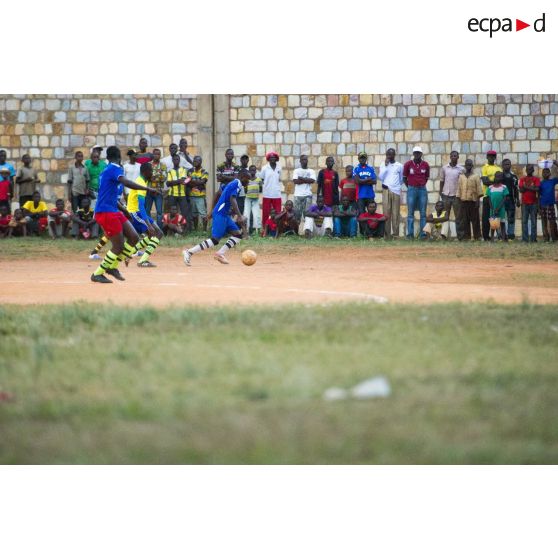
[(249, 257)]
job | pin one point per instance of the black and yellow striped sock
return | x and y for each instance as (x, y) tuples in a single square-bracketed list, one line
[(108, 262), (153, 243), (142, 243), (127, 252), (102, 241)]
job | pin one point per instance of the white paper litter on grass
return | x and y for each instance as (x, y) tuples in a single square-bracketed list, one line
[(368, 389)]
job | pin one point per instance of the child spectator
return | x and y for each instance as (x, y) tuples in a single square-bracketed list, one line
[(270, 227), (5, 165), (252, 202), (173, 222), (328, 183), (529, 187), (5, 218), (35, 213), (78, 181), (27, 180), (345, 217), (437, 223), (303, 178), (287, 223), (318, 219), (497, 194), (198, 182), (547, 201), (6, 188), (59, 220), (18, 224), (85, 225), (347, 187), (373, 223)]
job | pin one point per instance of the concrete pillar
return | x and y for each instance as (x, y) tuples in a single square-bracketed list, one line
[(213, 135)]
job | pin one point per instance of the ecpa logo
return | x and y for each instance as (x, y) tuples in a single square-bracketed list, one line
[(494, 24)]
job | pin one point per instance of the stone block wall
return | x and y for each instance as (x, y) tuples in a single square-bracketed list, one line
[(51, 128), (523, 128)]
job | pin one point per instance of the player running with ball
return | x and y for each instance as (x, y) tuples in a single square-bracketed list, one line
[(222, 221), (117, 228)]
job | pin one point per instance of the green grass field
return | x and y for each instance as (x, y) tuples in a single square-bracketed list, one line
[(39, 247), (97, 384)]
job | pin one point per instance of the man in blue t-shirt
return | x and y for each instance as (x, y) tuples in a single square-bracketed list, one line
[(365, 179), (547, 199), (222, 221), (124, 238)]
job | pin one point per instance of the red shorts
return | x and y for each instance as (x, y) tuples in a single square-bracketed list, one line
[(111, 222)]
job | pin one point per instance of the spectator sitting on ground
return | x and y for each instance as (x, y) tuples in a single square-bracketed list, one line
[(18, 224), (287, 223), (35, 213), (5, 218), (344, 219), (85, 225), (173, 222), (270, 226), (59, 220), (437, 223), (373, 223), (318, 219)]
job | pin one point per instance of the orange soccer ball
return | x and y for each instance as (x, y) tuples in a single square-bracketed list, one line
[(249, 257)]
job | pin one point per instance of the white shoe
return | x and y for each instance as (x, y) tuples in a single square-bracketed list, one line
[(187, 257), (95, 257), (221, 258), (138, 254)]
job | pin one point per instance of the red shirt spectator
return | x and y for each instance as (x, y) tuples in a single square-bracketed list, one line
[(417, 174), (528, 197), (372, 224), (178, 219), (4, 190), (348, 188)]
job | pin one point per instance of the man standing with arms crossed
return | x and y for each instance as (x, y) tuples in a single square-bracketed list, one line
[(391, 175)]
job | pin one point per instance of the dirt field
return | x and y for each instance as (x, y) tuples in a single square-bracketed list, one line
[(313, 275)]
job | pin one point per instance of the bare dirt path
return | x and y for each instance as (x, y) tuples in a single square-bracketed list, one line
[(313, 276)]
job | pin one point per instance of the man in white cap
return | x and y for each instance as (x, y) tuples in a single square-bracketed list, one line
[(416, 173)]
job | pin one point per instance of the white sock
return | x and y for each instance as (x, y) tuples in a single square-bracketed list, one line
[(231, 243), (201, 246)]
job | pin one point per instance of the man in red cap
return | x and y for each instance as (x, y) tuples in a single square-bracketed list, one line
[(271, 185), (487, 176)]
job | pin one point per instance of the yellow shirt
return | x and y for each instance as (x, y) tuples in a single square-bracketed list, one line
[(173, 175), (489, 171), (134, 195), (198, 175), (30, 206)]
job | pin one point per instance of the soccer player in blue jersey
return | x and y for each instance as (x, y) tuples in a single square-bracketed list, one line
[(116, 226), (222, 220)]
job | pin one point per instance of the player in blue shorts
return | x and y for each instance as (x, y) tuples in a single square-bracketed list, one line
[(222, 221), (141, 220)]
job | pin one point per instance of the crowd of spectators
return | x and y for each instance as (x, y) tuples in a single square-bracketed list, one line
[(483, 202)]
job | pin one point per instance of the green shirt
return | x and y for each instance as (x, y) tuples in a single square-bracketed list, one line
[(94, 173)]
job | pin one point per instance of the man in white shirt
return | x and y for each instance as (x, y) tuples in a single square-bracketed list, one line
[(303, 178), (391, 175), (131, 169), (271, 186), (173, 150)]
